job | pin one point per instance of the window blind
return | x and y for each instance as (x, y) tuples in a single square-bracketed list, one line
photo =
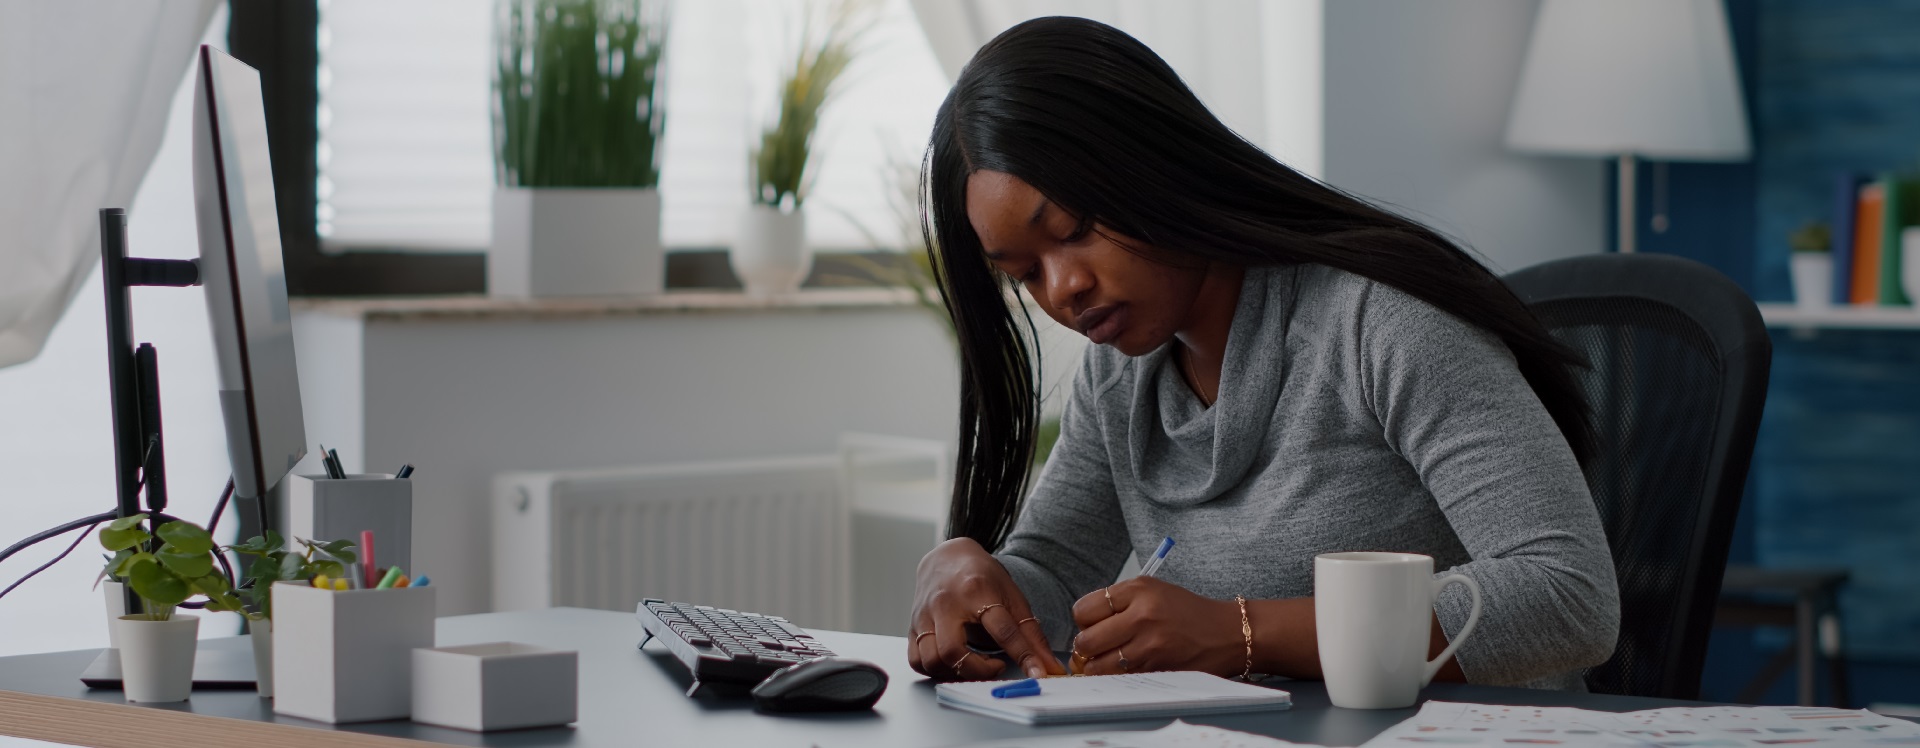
[(405, 149)]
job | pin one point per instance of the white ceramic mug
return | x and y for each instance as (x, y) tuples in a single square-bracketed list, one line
[(1374, 613)]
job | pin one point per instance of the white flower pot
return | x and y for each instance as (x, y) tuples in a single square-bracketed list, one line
[(115, 595), (770, 252), (585, 241), (1813, 280), (156, 657), (261, 632)]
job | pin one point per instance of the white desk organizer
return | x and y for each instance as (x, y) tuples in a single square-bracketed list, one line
[(347, 656), (322, 509), (496, 686)]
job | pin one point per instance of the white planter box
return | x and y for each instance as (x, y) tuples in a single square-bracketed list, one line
[(575, 242), (347, 656), (496, 686)]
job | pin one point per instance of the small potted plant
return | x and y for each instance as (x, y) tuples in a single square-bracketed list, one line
[(274, 562), (577, 120), (769, 253), (1812, 265), (156, 646)]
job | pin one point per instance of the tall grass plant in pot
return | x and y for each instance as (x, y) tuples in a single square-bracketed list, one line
[(769, 252), (576, 127)]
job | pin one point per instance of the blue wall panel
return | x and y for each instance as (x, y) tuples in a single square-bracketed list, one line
[(1839, 85), (1837, 477), (1831, 85)]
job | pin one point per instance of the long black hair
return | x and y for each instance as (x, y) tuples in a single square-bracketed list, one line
[(1101, 126)]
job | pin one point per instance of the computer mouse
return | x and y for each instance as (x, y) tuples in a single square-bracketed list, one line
[(826, 684)]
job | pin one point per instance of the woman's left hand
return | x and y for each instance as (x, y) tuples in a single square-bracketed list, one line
[(1156, 625)]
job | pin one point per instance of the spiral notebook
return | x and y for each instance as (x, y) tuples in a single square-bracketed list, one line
[(1133, 696)]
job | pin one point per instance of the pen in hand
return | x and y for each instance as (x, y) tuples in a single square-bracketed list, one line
[(1159, 557), (1076, 665)]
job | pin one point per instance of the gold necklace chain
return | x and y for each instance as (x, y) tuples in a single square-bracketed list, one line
[(1186, 362)]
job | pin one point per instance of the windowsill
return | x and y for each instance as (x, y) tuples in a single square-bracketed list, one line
[(704, 301)]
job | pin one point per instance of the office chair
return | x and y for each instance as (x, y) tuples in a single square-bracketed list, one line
[(1679, 359)]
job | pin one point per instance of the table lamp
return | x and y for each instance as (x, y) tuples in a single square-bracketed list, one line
[(1630, 79)]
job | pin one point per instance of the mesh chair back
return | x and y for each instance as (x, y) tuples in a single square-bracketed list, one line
[(1679, 360)]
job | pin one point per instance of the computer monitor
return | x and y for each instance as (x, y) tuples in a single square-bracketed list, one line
[(244, 276)]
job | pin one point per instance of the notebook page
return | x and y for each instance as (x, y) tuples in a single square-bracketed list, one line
[(1101, 693)]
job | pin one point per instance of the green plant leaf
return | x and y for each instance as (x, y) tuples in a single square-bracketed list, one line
[(259, 545), (123, 523), (337, 547), (124, 533), (127, 564), (112, 569), (291, 566), (186, 537), (189, 565), (329, 568), (157, 585), (211, 585)]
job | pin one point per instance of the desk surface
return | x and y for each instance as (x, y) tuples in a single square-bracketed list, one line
[(632, 697)]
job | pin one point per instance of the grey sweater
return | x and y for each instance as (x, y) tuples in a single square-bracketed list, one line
[(1350, 417)]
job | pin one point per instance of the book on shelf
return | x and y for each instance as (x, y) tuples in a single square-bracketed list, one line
[(1865, 278), (1846, 201), (1902, 209)]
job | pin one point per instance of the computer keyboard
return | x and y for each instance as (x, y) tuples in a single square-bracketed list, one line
[(726, 646)]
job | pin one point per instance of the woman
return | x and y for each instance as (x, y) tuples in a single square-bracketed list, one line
[(1280, 370)]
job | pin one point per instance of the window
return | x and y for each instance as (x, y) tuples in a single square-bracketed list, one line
[(404, 148)]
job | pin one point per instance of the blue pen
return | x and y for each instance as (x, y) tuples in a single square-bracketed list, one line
[(1017, 689), (1159, 557)]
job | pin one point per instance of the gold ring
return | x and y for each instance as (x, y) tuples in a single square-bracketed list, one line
[(961, 661), (983, 611), (1109, 595), (1124, 667), (1023, 621), (921, 635)]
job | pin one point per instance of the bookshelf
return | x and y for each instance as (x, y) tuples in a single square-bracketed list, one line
[(1841, 317)]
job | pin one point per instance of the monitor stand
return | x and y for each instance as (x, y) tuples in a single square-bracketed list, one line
[(226, 669), (133, 375)]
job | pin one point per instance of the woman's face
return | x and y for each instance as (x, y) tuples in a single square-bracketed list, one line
[(1081, 278)]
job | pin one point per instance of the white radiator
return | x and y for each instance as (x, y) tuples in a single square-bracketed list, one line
[(768, 536)]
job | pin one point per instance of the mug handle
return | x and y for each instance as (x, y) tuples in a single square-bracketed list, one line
[(1433, 666)]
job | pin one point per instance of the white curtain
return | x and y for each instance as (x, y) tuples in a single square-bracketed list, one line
[(85, 87), (1255, 63)]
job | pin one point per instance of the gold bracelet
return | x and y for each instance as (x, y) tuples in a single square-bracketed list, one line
[(1246, 632)]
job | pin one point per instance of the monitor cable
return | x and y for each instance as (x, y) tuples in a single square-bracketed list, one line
[(91, 521)]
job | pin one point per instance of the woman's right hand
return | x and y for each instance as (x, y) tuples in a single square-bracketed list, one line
[(959, 583)]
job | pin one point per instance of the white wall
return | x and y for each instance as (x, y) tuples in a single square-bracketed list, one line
[(1416, 106), (463, 399), (56, 441)]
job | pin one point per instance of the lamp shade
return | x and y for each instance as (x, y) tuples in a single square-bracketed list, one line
[(1650, 78)]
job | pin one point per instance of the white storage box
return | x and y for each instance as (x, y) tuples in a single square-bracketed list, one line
[(347, 656), (495, 686)]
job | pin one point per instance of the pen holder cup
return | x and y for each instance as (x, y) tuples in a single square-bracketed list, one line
[(347, 656), (319, 508), (496, 686)]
